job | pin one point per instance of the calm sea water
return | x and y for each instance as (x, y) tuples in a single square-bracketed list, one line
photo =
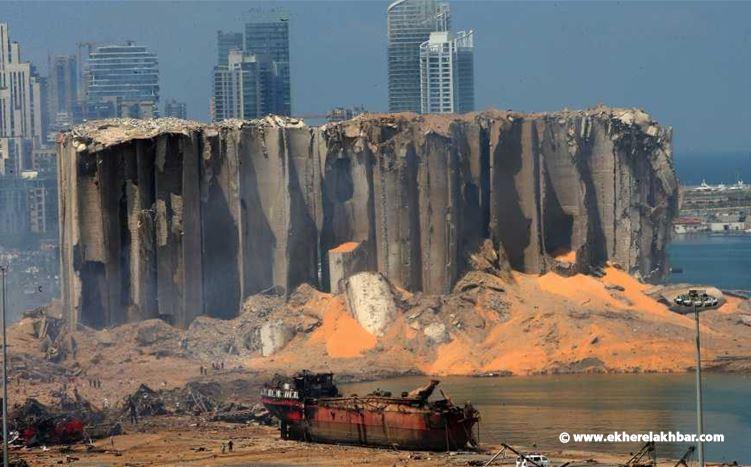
[(714, 167), (527, 410), (720, 260)]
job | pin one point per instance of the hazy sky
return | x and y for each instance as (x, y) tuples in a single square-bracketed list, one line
[(688, 64)]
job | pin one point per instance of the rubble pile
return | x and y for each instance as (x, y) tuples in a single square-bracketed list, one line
[(198, 399), (239, 413), (145, 402), (48, 329), (380, 329), (32, 368)]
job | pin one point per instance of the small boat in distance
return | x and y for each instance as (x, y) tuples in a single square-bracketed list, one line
[(310, 408)]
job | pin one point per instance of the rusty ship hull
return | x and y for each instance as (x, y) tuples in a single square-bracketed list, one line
[(405, 422)]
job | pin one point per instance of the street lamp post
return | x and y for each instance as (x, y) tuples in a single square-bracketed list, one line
[(697, 299), (699, 409), (5, 374)]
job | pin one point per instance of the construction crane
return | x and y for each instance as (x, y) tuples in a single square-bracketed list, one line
[(505, 447), (684, 459), (646, 453)]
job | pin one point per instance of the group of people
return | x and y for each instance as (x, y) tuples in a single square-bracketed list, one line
[(95, 383), (228, 447), (216, 366)]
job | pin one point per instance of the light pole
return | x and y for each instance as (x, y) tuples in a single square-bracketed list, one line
[(699, 409), (695, 299), (4, 271)]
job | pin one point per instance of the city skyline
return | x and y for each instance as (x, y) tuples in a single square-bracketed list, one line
[(532, 57)]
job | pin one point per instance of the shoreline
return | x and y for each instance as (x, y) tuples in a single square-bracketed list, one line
[(347, 378), (170, 440)]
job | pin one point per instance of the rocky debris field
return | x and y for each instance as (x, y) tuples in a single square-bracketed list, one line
[(495, 320), (68, 418)]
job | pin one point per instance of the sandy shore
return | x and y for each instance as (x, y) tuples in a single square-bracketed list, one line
[(190, 441)]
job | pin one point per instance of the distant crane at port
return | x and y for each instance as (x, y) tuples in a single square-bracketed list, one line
[(644, 457), (683, 461), (504, 448)]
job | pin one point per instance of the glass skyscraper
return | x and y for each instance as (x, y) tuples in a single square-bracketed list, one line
[(251, 77), (63, 109), (267, 37), (227, 41), (410, 23), (122, 81)]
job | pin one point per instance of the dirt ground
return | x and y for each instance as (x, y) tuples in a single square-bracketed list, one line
[(188, 441)]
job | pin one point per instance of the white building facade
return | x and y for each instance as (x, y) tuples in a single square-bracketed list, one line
[(237, 88), (447, 73)]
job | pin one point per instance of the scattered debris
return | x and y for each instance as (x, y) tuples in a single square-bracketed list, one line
[(238, 413), (38, 424), (144, 402)]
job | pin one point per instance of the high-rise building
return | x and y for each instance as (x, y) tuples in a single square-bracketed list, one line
[(410, 23), (28, 205), (20, 107), (251, 77), (267, 37), (238, 88), (63, 107), (122, 81), (447, 73), (28, 201), (15, 156), (176, 109), (227, 41), (84, 50)]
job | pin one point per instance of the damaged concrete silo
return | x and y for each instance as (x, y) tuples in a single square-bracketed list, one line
[(174, 219), (171, 219)]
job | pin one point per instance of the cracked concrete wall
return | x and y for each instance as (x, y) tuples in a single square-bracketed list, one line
[(173, 219)]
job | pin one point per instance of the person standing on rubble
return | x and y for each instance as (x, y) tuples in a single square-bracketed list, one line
[(73, 347), (133, 411)]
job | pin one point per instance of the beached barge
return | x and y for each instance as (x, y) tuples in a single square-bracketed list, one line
[(310, 408)]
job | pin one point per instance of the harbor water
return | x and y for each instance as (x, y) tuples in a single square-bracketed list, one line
[(529, 411), (721, 260)]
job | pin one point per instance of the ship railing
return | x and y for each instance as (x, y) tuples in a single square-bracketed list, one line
[(280, 393)]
